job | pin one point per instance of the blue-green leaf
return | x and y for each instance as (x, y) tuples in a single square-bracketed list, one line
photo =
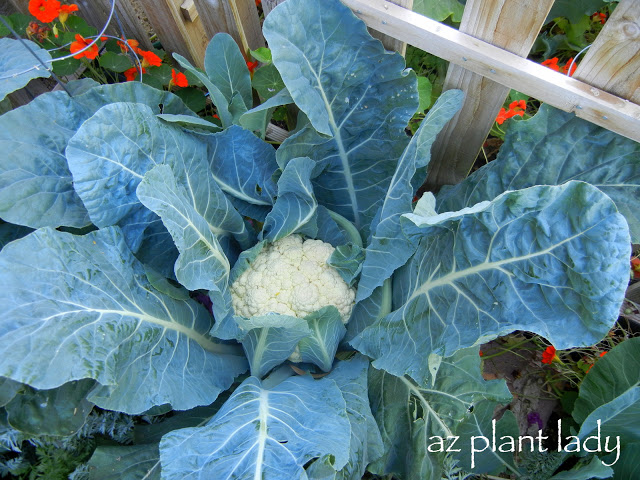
[(227, 69), (586, 471), (36, 187), (243, 165), (270, 339), (552, 148), (219, 100), (366, 443), (109, 155), (389, 249), (558, 256), (368, 311), (258, 118), (195, 124), (86, 302), (321, 345), (347, 260), (295, 208), (608, 403), (16, 62), (194, 228), (358, 97), (410, 416), (259, 433)]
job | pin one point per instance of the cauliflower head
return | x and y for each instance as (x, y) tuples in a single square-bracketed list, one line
[(291, 277)]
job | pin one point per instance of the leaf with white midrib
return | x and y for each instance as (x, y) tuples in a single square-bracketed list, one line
[(556, 255), (357, 97), (263, 434), (87, 302)]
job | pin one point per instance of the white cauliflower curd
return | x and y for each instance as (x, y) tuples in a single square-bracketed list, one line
[(291, 277)]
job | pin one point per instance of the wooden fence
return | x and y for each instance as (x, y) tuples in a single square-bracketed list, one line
[(486, 55)]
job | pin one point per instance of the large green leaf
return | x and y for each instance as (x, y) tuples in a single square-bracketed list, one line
[(440, 9), (414, 418), (19, 64), (270, 339), (227, 69), (556, 256), (109, 155), (243, 166), (59, 412), (263, 433), (36, 188), (552, 148), (294, 211), (133, 462), (86, 302), (608, 405), (574, 10), (358, 98), (366, 442), (388, 249)]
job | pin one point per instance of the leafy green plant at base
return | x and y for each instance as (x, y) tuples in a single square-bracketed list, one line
[(150, 214)]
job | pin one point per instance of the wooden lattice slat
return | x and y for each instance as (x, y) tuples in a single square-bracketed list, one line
[(511, 25), (593, 104)]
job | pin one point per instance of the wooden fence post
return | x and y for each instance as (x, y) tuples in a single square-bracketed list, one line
[(612, 63), (179, 32), (238, 18), (510, 24)]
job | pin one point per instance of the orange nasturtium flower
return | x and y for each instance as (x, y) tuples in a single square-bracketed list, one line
[(65, 10), (565, 68), (602, 17), (133, 44), (132, 73), (549, 355), (149, 59), (178, 79), (552, 63), (516, 108), (44, 10), (252, 66), (79, 44)]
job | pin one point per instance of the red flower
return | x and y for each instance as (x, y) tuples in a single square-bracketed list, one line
[(149, 59), (598, 16), (65, 10), (516, 108), (549, 355), (178, 79), (252, 66), (480, 353), (552, 63), (44, 10), (258, 2), (130, 44), (565, 68), (132, 73), (635, 267), (81, 43)]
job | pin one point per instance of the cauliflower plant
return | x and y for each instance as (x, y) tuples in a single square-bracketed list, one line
[(291, 277)]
